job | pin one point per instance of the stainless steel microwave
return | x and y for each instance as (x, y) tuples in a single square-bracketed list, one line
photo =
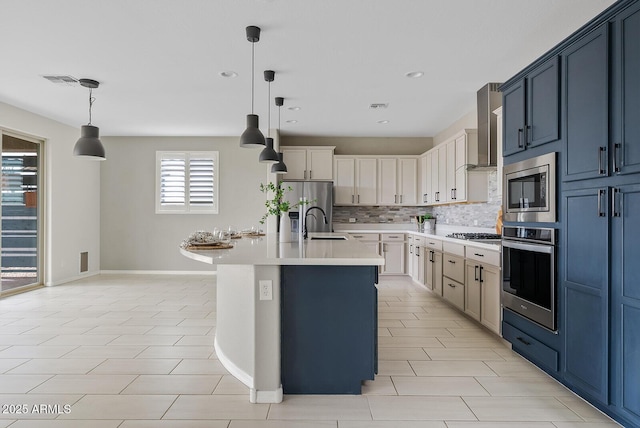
[(529, 191)]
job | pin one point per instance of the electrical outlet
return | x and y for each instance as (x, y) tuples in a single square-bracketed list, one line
[(352, 219), (266, 289)]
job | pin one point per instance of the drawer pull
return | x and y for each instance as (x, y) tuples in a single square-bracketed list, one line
[(478, 254), (432, 243), (452, 285), (523, 341), (393, 236), (358, 236), (452, 261)]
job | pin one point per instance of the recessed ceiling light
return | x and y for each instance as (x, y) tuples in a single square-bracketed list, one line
[(228, 74), (383, 121), (292, 121), (294, 108), (414, 74)]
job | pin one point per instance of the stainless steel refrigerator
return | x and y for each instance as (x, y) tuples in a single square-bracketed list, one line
[(320, 193)]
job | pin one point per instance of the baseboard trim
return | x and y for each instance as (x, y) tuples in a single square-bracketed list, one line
[(71, 279), (158, 272)]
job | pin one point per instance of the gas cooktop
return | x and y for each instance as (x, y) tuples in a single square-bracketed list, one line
[(475, 236)]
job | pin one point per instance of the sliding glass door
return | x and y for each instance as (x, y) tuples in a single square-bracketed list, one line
[(21, 184)]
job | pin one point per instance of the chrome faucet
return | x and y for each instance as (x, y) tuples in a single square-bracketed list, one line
[(304, 221)]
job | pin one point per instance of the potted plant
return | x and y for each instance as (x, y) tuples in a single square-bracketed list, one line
[(278, 206)]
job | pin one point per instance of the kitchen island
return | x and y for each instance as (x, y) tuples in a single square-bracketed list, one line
[(296, 318)]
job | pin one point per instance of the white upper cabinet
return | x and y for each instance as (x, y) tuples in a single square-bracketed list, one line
[(397, 181), (388, 181), (451, 180), (408, 181), (366, 181), (308, 163), (344, 180), (355, 180), (424, 178)]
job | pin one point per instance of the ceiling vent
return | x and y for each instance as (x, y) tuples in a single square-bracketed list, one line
[(62, 80), (378, 106)]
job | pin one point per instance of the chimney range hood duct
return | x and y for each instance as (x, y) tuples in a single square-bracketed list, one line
[(489, 98)]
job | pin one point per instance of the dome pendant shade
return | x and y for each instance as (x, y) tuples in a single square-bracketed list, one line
[(268, 155), (252, 137), (280, 167), (89, 143)]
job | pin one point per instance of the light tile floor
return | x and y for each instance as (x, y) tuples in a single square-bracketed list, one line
[(135, 351)]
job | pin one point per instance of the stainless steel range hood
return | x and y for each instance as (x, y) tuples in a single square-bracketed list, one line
[(488, 99)]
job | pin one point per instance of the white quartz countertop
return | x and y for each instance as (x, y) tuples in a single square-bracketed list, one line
[(440, 234), (266, 250)]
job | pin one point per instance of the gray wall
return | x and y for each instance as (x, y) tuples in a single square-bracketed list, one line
[(133, 236)]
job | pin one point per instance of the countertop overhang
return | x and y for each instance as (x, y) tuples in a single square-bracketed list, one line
[(266, 250)]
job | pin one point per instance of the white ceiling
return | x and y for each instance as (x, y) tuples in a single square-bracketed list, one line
[(158, 60)]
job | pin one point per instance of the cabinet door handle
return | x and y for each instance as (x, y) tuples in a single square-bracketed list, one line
[(393, 236), (395, 199), (523, 341), (520, 132), (309, 174), (478, 254), (432, 243), (451, 261), (411, 249), (616, 153), (358, 236), (417, 251), (475, 274), (437, 196), (358, 198), (452, 194), (481, 280), (424, 198), (400, 198), (602, 151), (452, 285), (601, 193), (615, 212), (431, 256), (527, 135), (351, 198)]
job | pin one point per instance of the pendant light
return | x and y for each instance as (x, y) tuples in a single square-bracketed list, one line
[(89, 144), (280, 167), (268, 155), (252, 137)]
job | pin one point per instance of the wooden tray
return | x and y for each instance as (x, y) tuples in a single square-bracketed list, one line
[(210, 247)]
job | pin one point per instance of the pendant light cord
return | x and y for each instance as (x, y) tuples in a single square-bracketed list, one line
[(91, 100), (252, 72), (269, 111)]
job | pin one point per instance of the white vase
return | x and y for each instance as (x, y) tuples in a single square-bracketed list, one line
[(285, 228)]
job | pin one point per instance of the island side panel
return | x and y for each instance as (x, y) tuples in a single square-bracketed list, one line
[(328, 324)]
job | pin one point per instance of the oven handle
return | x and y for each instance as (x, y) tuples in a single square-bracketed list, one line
[(537, 248)]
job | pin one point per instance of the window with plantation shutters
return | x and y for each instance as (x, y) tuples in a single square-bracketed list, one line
[(187, 182)]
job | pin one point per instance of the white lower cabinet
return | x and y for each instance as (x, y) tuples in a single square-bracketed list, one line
[(453, 291), (491, 315), (483, 286), (393, 252), (433, 271), (472, 289), (453, 279)]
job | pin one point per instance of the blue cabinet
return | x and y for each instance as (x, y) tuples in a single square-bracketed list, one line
[(531, 108), (626, 92), (584, 282), (586, 106), (625, 301), (329, 328)]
